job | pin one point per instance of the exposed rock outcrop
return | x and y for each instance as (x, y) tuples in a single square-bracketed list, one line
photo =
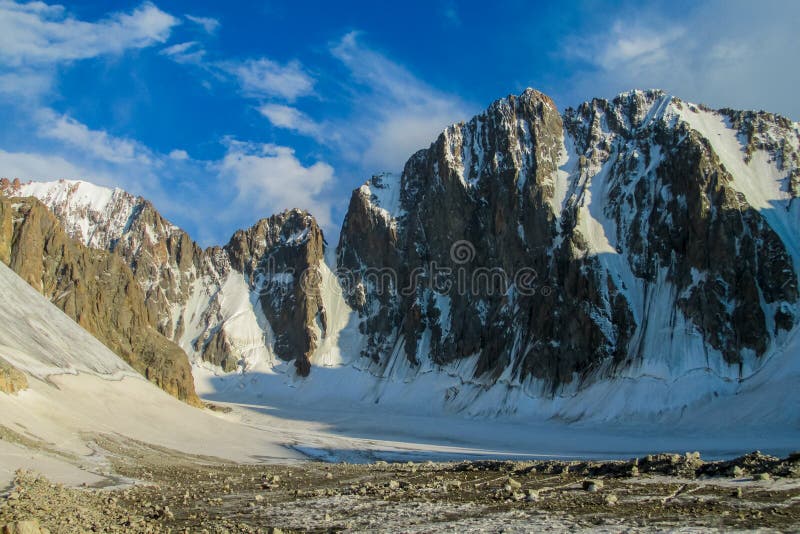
[(12, 379), (164, 260), (280, 256), (96, 289), (538, 250)]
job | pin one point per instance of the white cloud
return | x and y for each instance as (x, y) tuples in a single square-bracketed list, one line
[(397, 113), (269, 179), (210, 25), (140, 176), (722, 53), (260, 78), (187, 52), (394, 113), (637, 47), (36, 33), (293, 119), (197, 207), (96, 143), (27, 84), (263, 77), (36, 166), (179, 155)]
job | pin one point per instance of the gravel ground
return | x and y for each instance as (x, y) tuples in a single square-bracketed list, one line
[(167, 491)]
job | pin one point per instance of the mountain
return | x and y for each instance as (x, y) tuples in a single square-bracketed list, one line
[(164, 260), (254, 301), (279, 257), (632, 256), (93, 287), (639, 237)]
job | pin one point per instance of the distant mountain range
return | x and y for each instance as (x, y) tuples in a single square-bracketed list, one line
[(633, 256)]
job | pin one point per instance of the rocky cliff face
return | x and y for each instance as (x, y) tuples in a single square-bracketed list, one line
[(252, 300), (96, 289), (164, 260), (270, 272), (550, 248), (279, 257)]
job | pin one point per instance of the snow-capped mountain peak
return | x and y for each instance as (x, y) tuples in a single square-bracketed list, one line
[(657, 239)]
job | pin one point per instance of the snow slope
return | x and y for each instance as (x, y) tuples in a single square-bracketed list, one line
[(761, 180), (345, 414), (79, 387)]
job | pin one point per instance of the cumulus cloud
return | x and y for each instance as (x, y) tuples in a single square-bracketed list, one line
[(631, 47), (37, 39), (393, 112), (269, 179), (28, 84), (37, 33), (744, 59), (291, 118), (100, 158), (68, 148), (259, 78), (179, 155)]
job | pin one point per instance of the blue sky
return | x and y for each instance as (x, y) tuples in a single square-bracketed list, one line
[(223, 113)]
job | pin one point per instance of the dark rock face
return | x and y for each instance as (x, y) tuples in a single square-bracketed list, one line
[(684, 217), (96, 289), (280, 256), (489, 183), (216, 348), (619, 214), (731, 243)]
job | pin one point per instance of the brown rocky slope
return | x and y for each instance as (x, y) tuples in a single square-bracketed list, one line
[(95, 288)]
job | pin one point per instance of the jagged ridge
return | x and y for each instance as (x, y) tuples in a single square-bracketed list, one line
[(664, 232), (201, 299)]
